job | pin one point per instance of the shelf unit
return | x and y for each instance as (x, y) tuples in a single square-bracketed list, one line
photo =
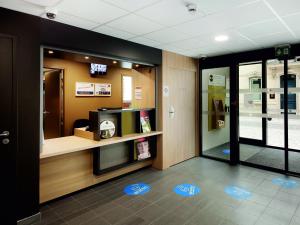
[(122, 153)]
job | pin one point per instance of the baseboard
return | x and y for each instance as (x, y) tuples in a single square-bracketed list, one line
[(34, 219)]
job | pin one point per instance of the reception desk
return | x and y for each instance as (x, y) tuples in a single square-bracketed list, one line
[(66, 164)]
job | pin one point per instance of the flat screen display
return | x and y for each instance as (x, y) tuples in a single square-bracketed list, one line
[(98, 69)]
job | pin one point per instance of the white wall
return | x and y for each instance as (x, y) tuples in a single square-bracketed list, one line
[(219, 136)]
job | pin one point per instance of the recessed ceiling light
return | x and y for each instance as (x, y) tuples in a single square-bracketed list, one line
[(137, 65), (221, 38), (50, 52), (86, 57), (114, 62)]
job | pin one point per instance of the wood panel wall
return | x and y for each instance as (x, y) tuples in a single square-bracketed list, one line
[(79, 107), (61, 175), (177, 67)]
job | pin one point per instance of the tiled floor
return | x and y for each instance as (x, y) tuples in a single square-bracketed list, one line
[(107, 204)]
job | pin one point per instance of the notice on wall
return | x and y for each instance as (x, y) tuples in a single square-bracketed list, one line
[(102, 89), (166, 91), (216, 101), (84, 89), (138, 93)]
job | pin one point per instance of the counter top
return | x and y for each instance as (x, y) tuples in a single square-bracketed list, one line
[(70, 144)]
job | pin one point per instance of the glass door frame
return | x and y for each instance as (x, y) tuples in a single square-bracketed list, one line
[(263, 143), (233, 112), (251, 141)]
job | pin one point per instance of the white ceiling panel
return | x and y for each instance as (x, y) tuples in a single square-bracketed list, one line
[(21, 6), (169, 12), (145, 41), (73, 20), (275, 39), (167, 24), (44, 3), (293, 21), (213, 6), (285, 7), (134, 24), (192, 43), (167, 35), (93, 10), (262, 28), (113, 32), (132, 5)]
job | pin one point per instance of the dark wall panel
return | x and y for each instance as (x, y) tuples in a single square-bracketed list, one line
[(25, 29), (64, 36), (31, 32)]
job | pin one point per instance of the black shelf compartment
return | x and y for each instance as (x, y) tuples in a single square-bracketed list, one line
[(96, 117), (103, 157)]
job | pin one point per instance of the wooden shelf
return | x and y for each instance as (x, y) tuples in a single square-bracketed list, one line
[(70, 144)]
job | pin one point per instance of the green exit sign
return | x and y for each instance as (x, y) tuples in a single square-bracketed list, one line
[(282, 51)]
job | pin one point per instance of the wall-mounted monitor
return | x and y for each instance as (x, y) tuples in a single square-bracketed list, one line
[(98, 69)]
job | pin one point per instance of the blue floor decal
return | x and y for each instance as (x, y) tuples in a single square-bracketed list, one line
[(237, 193), (187, 190), (137, 189), (226, 151), (285, 183)]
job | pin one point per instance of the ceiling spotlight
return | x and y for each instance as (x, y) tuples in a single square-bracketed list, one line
[(50, 52), (86, 57), (115, 62), (221, 38), (137, 65)]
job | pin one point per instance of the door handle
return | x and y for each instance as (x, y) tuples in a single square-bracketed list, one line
[(4, 134)]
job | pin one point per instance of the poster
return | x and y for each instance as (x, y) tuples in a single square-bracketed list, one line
[(102, 89), (84, 89), (138, 93), (216, 101)]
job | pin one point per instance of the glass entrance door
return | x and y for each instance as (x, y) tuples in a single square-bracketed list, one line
[(293, 80), (261, 116)]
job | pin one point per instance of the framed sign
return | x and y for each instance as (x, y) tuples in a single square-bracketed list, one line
[(138, 93), (84, 89), (102, 89)]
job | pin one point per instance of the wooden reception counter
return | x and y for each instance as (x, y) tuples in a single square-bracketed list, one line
[(66, 164)]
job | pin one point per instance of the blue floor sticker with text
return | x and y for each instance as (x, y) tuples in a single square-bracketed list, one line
[(187, 190), (137, 189), (237, 193), (285, 183), (226, 151)]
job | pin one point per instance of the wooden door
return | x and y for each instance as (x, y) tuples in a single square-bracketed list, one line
[(180, 125), (52, 111), (7, 131)]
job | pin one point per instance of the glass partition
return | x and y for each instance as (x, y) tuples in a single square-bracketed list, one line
[(215, 113)]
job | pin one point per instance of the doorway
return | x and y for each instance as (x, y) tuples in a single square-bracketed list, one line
[(269, 115), (53, 103)]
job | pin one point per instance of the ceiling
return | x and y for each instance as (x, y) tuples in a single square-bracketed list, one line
[(166, 24)]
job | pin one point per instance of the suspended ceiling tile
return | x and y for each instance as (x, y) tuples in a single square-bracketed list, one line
[(213, 6), (132, 5), (285, 7), (93, 10), (22, 6), (135, 24), (145, 41), (275, 39), (262, 28), (113, 32), (73, 21), (44, 3), (167, 35), (169, 12)]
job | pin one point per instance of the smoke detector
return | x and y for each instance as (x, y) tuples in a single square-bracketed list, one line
[(191, 7)]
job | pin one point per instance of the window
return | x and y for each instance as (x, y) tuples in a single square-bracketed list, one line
[(127, 89)]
